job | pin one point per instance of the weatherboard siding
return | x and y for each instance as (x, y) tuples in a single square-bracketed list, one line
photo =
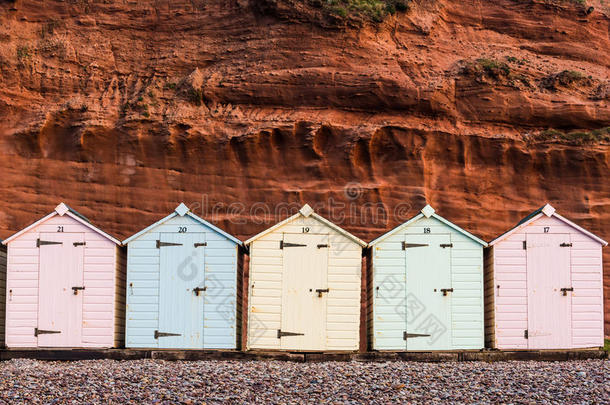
[(467, 309), (265, 287), (99, 269), (143, 261)]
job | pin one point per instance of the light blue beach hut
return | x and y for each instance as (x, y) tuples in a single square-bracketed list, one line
[(182, 285), (426, 290)]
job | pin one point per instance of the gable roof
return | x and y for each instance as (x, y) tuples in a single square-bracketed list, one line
[(549, 211), (428, 212), (182, 210), (61, 210), (306, 211)]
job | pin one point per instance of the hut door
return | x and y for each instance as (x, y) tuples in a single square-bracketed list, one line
[(304, 292), (60, 292), (428, 308), (549, 311), (182, 289)]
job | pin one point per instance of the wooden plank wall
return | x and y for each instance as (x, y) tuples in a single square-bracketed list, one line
[(490, 325), (120, 286)]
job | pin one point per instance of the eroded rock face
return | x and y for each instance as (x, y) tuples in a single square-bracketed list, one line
[(124, 110)]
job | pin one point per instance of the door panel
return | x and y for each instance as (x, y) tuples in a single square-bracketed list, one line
[(182, 269), (305, 269), (428, 311), (59, 309), (549, 312)]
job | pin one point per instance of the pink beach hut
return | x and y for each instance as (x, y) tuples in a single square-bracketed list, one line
[(543, 285), (65, 284)]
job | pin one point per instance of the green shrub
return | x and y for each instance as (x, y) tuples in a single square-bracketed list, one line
[(493, 67), (577, 137), (23, 52)]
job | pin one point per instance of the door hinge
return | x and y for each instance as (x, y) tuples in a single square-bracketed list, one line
[(446, 245), (44, 332), (201, 244), (566, 245), (565, 290), (526, 334), (406, 335), (197, 290), (75, 289), (161, 244), (288, 244), (79, 244), (281, 334), (40, 243), (446, 290), (322, 290), (325, 245), (524, 245), (406, 245), (165, 334)]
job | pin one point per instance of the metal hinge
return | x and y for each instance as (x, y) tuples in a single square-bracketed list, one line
[(44, 332), (281, 334), (325, 245), (566, 245), (197, 290), (446, 290), (446, 245), (79, 244), (526, 334), (322, 290), (40, 243), (406, 245), (288, 244), (524, 245), (161, 244), (165, 334), (406, 335), (201, 244), (565, 290)]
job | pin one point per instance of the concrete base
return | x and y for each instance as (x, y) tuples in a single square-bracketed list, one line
[(219, 355)]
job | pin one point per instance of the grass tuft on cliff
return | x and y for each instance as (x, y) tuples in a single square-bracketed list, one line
[(373, 10), (576, 137)]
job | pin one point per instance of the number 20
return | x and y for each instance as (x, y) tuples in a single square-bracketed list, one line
[(182, 229)]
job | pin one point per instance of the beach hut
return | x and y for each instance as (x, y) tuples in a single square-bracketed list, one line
[(544, 285), (304, 286), (65, 284), (2, 293), (182, 275), (426, 290)]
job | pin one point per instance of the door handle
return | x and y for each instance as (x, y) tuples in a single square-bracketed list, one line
[(565, 290), (446, 290), (197, 290), (322, 290), (75, 289)]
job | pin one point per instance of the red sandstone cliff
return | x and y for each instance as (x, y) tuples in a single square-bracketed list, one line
[(124, 109)]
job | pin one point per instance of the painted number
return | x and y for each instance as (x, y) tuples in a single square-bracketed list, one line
[(426, 230), (182, 229), (547, 229), (60, 229), (305, 230)]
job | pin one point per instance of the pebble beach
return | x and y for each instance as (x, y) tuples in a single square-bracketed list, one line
[(272, 382)]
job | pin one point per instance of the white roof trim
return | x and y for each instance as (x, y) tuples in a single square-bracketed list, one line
[(62, 210), (307, 209), (554, 214), (180, 211), (422, 214)]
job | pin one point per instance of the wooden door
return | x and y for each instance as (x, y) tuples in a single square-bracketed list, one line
[(549, 312), (305, 270), (182, 273), (60, 293), (428, 308)]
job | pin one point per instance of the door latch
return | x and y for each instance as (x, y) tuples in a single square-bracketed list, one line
[(288, 244), (76, 244), (165, 334), (565, 290), (75, 289), (197, 290), (200, 244), (446, 290), (406, 335), (322, 290), (40, 243), (320, 246), (565, 245), (281, 334), (161, 244), (406, 245)]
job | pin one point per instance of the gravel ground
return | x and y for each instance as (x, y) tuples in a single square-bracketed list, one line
[(151, 381)]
